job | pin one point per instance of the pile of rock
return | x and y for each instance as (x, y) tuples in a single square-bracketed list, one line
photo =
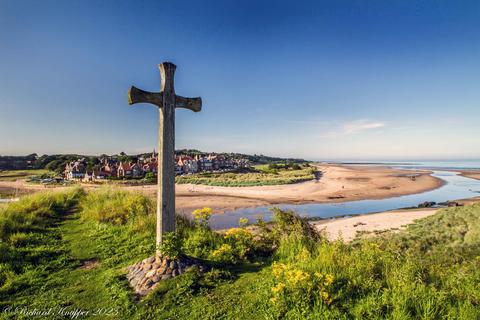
[(145, 275), (427, 204)]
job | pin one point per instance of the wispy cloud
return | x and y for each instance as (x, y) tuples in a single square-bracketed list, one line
[(353, 127), (361, 125)]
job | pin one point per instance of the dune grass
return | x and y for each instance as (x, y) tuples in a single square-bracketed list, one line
[(285, 270), (13, 175), (259, 177)]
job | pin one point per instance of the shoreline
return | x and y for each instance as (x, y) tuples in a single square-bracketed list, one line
[(472, 174), (346, 228), (338, 183)]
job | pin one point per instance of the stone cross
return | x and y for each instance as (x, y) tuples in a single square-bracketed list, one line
[(167, 101)]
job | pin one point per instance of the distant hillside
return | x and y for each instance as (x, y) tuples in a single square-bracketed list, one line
[(256, 158)]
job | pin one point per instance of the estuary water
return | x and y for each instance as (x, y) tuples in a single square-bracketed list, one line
[(455, 187)]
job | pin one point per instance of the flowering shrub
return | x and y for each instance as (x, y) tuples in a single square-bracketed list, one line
[(237, 245), (243, 222), (202, 216), (296, 288), (200, 242), (225, 253)]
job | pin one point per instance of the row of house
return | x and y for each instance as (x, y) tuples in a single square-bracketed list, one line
[(111, 167)]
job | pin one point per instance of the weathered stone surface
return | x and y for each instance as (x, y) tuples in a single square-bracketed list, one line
[(166, 276), (144, 276), (167, 101), (151, 273), (161, 270), (151, 260), (147, 267), (149, 283)]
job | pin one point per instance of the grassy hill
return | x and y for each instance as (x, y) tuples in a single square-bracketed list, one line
[(68, 251)]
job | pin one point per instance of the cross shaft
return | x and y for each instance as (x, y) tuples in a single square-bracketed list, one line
[(167, 101)]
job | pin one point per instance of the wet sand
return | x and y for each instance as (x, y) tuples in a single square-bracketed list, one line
[(474, 174)]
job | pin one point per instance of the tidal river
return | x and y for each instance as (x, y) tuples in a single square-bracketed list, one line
[(455, 187)]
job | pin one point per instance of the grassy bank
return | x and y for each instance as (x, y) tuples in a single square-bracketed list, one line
[(13, 175), (259, 176), (70, 249)]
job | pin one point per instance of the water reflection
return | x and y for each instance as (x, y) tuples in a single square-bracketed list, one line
[(456, 187)]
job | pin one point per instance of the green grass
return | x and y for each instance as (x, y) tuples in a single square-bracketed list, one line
[(13, 175), (259, 177), (431, 270)]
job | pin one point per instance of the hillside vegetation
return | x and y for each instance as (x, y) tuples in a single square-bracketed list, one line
[(262, 175), (68, 251)]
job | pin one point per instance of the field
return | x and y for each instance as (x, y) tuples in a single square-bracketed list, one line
[(260, 176), (68, 251)]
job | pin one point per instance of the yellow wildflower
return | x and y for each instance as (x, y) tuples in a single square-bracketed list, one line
[(202, 214), (326, 297), (279, 287), (243, 222), (329, 279), (223, 250), (304, 255), (278, 269), (295, 277)]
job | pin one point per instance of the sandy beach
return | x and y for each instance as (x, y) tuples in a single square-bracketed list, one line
[(337, 184), (474, 174), (347, 228)]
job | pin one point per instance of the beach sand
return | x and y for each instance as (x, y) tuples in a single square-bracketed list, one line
[(339, 183), (474, 174), (347, 228)]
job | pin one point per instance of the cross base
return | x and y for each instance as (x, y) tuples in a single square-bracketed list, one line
[(145, 276)]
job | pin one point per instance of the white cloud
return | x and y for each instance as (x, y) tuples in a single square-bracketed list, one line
[(361, 125), (353, 127)]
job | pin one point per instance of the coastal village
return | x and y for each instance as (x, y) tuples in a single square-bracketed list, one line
[(114, 168)]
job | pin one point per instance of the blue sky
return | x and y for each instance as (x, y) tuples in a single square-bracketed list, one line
[(320, 80)]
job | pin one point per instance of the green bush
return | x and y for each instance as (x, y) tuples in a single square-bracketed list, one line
[(200, 242), (171, 245)]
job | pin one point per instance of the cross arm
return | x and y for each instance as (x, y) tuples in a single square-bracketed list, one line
[(194, 104), (136, 95)]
